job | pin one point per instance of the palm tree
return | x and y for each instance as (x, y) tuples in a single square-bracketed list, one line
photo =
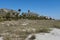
[(19, 10), (28, 11)]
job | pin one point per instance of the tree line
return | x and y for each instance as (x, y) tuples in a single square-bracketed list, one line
[(24, 15)]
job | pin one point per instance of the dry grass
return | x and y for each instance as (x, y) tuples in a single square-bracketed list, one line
[(22, 31), (57, 24)]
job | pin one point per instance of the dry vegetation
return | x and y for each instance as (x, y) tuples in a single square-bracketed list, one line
[(56, 24), (20, 29)]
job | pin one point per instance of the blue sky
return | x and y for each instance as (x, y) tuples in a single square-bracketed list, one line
[(49, 8)]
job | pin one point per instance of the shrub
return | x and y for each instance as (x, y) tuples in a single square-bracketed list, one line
[(32, 37)]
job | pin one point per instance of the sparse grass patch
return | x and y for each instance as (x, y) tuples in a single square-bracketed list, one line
[(43, 29), (56, 24), (6, 38)]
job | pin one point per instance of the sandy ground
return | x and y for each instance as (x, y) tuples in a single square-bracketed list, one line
[(1, 38), (53, 35)]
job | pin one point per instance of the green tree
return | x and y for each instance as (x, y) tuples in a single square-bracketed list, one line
[(24, 15), (8, 16), (17, 16)]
